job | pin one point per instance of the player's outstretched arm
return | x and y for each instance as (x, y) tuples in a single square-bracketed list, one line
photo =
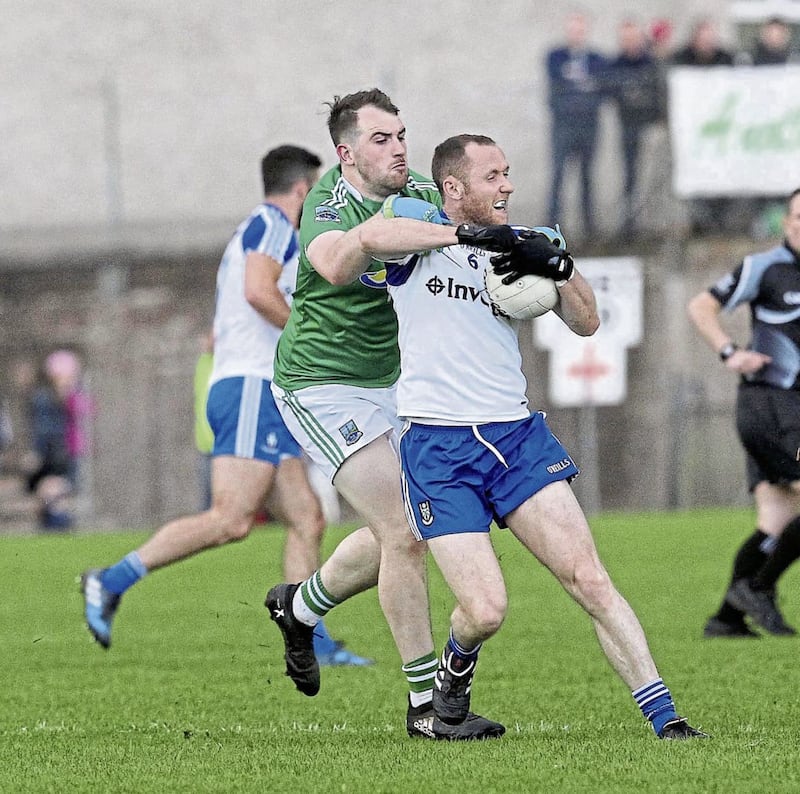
[(341, 257), (404, 226)]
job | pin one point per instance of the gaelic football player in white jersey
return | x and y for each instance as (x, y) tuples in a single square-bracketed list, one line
[(253, 450), (472, 452)]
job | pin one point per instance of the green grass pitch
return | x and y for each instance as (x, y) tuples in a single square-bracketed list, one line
[(192, 695)]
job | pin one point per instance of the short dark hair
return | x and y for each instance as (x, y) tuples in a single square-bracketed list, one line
[(792, 196), (343, 116), (284, 165), (449, 157)]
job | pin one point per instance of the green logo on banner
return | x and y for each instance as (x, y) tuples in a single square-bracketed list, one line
[(724, 131)]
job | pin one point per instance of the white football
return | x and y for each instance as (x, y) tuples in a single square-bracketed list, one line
[(528, 296), (523, 299)]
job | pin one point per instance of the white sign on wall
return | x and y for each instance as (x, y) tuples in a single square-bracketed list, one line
[(735, 130), (593, 370)]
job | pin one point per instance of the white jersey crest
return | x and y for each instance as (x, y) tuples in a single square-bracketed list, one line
[(459, 364)]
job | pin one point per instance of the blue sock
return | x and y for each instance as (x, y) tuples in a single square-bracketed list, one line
[(323, 642), (656, 704), (118, 578), (463, 654)]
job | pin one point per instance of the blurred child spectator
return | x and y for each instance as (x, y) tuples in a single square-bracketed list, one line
[(59, 409)]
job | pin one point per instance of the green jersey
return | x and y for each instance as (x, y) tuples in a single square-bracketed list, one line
[(341, 334)]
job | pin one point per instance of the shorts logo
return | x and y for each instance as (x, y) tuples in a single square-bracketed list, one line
[(350, 432), (327, 215), (270, 444), (560, 466), (425, 513)]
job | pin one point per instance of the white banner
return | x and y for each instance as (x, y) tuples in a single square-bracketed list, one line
[(735, 130)]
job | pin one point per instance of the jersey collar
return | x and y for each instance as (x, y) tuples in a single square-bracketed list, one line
[(352, 190)]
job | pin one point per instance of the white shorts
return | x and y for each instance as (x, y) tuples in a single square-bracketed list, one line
[(332, 422)]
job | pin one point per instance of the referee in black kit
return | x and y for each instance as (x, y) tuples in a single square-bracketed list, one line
[(767, 420)]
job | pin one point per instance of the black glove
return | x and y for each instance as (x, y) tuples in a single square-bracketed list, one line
[(534, 255), (490, 238)]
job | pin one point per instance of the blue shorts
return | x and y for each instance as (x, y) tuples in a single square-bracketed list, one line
[(246, 423), (460, 479)]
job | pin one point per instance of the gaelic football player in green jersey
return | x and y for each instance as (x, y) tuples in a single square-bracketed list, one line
[(335, 372)]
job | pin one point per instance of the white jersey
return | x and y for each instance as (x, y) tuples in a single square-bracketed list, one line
[(459, 363), (244, 342)]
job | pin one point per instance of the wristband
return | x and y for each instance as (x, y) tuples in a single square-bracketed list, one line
[(728, 350), (565, 280)]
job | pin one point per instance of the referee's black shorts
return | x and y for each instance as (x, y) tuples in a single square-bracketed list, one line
[(768, 421)]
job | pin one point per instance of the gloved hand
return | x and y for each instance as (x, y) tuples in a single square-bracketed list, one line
[(553, 234), (534, 254), (490, 238), (397, 206)]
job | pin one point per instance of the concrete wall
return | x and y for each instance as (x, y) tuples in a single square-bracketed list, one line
[(156, 112)]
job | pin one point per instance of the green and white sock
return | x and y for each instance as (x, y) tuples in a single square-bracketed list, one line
[(420, 675), (312, 601)]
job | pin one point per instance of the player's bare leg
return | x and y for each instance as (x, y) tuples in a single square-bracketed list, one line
[(776, 506), (553, 527), (296, 503), (294, 500), (356, 564), (470, 568), (239, 486), (370, 482)]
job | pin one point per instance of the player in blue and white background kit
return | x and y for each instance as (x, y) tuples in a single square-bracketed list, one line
[(472, 452), (254, 453)]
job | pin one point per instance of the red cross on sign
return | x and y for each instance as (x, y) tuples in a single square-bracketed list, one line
[(589, 367)]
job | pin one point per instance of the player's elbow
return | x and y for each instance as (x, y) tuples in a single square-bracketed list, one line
[(330, 267), (587, 325), (335, 276), (700, 305), (340, 277), (339, 268), (251, 295)]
